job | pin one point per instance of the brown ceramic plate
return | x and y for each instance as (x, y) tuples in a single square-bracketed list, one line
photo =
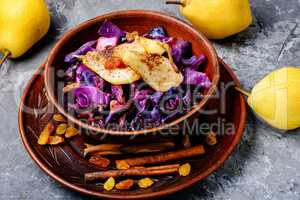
[(133, 20), (65, 165)]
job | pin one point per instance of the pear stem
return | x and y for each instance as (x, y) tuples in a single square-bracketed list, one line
[(6, 54), (242, 91), (175, 2)]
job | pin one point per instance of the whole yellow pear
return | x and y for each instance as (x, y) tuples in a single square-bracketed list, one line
[(276, 98), (217, 19), (22, 24)]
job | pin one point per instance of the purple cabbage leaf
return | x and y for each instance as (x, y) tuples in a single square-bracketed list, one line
[(108, 29), (89, 46)]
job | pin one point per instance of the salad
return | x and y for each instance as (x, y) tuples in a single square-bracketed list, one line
[(127, 81)]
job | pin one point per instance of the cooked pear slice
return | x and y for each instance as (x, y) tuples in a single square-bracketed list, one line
[(96, 60), (120, 50), (156, 70), (117, 76), (151, 46)]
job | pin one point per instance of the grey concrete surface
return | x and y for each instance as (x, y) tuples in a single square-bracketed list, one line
[(265, 166)]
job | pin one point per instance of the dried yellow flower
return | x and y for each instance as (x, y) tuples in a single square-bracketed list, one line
[(184, 170), (109, 184), (61, 129), (211, 139), (145, 183), (71, 131)]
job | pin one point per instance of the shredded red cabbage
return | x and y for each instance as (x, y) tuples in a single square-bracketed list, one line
[(89, 96), (155, 98), (105, 42), (108, 29), (89, 46), (156, 115), (192, 77), (194, 62), (117, 91), (88, 77), (156, 33), (135, 106), (180, 49), (115, 109), (140, 100)]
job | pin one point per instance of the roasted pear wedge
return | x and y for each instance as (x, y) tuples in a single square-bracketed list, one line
[(96, 61), (141, 58), (156, 70)]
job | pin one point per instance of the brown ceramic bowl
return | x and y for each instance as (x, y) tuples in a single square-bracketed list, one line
[(134, 20)]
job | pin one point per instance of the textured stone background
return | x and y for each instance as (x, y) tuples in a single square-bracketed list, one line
[(265, 165)]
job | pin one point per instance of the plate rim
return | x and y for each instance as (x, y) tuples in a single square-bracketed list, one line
[(152, 195)]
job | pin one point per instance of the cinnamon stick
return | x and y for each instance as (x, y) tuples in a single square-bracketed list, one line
[(148, 148), (164, 167), (102, 147), (112, 149), (157, 167), (165, 157), (106, 153), (149, 171)]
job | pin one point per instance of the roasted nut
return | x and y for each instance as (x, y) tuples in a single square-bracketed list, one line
[(145, 183), (211, 139), (54, 140), (59, 118), (121, 164), (109, 184), (45, 134), (99, 161), (125, 185), (71, 131), (61, 129), (184, 170)]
